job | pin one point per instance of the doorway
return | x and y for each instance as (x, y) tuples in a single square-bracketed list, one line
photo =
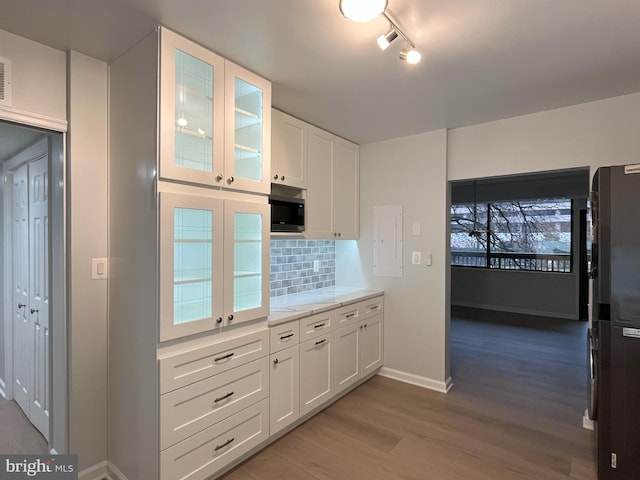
[(32, 242)]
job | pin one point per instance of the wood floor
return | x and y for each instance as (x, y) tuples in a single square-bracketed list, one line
[(514, 412), (17, 435)]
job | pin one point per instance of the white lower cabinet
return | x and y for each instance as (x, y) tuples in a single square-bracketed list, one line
[(285, 386), (358, 351), (188, 410), (316, 372), (203, 454), (214, 405)]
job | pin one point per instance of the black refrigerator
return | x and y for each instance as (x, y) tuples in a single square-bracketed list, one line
[(615, 321)]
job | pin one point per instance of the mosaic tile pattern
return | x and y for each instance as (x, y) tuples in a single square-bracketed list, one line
[(292, 264)]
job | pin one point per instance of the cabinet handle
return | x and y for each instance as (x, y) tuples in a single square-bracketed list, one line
[(224, 357), (275, 177), (22, 305), (284, 337), (219, 320), (230, 179), (320, 342), (224, 397), (374, 307), (218, 447), (33, 310), (282, 178), (349, 315), (219, 177), (365, 325), (320, 325), (335, 234), (361, 327), (230, 317), (276, 361)]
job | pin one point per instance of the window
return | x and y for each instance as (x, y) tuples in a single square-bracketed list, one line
[(532, 235)]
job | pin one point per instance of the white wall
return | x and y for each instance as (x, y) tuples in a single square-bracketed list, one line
[(606, 132), (410, 171), (39, 76), (87, 153)]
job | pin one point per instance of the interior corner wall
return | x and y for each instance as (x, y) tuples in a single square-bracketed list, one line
[(39, 83), (87, 220), (410, 171)]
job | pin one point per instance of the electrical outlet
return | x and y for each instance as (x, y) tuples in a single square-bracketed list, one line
[(416, 258)]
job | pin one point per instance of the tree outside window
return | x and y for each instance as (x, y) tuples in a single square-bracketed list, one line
[(515, 235)]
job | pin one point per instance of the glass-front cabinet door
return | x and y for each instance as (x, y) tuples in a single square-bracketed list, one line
[(191, 112), (246, 293), (191, 265), (248, 130)]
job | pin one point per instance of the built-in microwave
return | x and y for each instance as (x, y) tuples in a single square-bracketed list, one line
[(287, 214)]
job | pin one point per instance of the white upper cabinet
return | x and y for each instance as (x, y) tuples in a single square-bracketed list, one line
[(288, 150), (248, 130), (333, 188), (192, 111), (215, 119), (214, 263), (246, 287)]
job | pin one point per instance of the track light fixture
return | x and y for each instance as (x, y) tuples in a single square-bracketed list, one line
[(410, 55), (362, 10), (385, 40), (365, 10)]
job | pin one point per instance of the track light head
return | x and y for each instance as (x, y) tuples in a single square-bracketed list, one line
[(410, 55), (362, 10), (385, 40)]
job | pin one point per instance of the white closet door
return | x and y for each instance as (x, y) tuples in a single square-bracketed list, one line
[(22, 328), (39, 291)]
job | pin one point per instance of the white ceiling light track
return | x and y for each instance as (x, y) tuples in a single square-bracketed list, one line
[(366, 10)]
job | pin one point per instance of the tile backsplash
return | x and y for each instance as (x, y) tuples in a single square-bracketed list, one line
[(292, 265)]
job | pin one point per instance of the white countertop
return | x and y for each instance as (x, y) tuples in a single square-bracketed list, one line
[(297, 305)]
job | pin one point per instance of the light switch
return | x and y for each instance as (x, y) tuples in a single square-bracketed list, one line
[(416, 258), (415, 229), (99, 268), (429, 260)]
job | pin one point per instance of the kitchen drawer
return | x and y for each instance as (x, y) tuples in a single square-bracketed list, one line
[(371, 307), (203, 454), (188, 410), (348, 315), (316, 325), (284, 336), (189, 367)]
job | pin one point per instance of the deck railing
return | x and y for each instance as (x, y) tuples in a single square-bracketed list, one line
[(514, 261)]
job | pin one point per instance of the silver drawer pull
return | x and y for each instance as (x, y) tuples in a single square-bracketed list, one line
[(218, 447), (352, 314), (284, 337), (320, 342), (224, 397), (320, 325), (374, 307), (224, 357)]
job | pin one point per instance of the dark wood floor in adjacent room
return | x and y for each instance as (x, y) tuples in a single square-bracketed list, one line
[(514, 412)]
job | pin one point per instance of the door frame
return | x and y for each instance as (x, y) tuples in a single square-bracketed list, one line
[(54, 132)]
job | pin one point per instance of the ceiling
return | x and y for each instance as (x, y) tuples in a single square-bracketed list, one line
[(482, 60)]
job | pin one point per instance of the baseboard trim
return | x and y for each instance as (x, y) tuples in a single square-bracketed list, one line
[(100, 471), (522, 311), (424, 382), (587, 423)]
